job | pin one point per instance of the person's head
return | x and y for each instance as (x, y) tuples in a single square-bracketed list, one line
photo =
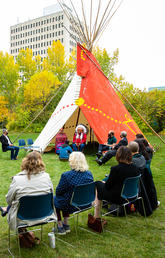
[(124, 155), (61, 130), (123, 134), (145, 142), (81, 129), (133, 146), (142, 148), (33, 164), (111, 134), (78, 161), (5, 132), (139, 136)]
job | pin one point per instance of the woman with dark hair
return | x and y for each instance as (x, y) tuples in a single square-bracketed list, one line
[(148, 148), (32, 180), (111, 189), (142, 149)]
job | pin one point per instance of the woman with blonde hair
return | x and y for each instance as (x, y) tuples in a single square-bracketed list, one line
[(32, 180), (79, 174)]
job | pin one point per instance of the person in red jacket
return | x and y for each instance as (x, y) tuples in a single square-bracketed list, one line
[(79, 138)]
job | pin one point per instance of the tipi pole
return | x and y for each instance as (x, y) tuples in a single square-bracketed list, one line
[(38, 113), (124, 97)]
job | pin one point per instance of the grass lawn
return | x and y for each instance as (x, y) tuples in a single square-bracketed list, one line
[(134, 239)]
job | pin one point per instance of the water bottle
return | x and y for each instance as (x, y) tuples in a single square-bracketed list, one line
[(51, 237)]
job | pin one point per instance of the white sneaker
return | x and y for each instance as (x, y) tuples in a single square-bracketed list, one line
[(158, 203)]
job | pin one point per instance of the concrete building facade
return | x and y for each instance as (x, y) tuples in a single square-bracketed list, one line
[(38, 34)]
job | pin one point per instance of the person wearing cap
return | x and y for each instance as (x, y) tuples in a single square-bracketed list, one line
[(107, 146), (112, 153), (8, 145), (79, 138)]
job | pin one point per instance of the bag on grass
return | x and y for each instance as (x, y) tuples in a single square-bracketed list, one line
[(28, 239), (95, 223)]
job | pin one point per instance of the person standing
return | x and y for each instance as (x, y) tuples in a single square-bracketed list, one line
[(8, 145)]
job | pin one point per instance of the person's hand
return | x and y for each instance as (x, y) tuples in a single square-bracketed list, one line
[(10, 144)]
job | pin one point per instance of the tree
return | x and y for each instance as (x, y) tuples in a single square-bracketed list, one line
[(9, 75), (27, 65), (55, 61), (106, 61), (3, 109), (38, 90)]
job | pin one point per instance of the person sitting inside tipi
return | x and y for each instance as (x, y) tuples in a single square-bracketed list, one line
[(60, 139), (79, 138)]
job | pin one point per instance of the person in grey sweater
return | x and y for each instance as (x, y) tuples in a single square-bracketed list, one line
[(137, 158)]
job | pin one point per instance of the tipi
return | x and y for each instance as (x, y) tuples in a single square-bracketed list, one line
[(90, 98)]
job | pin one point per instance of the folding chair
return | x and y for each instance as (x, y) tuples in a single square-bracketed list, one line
[(129, 193), (29, 141), (34, 208), (21, 143), (82, 198), (30, 144)]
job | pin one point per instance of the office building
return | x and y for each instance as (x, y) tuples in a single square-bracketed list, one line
[(38, 34)]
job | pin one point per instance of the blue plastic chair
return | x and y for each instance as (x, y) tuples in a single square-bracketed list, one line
[(34, 208), (129, 193), (29, 141), (82, 198), (21, 142)]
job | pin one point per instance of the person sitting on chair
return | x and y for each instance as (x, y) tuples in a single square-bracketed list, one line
[(111, 153), (8, 145), (32, 180), (107, 146), (64, 151), (111, 189), (61, 138), (79, 174), (137, 158), (79, 138)]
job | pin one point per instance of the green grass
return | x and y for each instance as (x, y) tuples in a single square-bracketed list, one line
[(134, 239)]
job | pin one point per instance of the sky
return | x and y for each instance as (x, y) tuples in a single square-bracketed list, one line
[(137, 30)]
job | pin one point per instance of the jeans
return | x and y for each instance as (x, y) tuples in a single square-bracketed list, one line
[(103, 147), (108, 156), (80, 148), (14, 151)]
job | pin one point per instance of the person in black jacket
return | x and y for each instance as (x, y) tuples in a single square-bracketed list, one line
[(111, 189), (112, 153), (8, 145)]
